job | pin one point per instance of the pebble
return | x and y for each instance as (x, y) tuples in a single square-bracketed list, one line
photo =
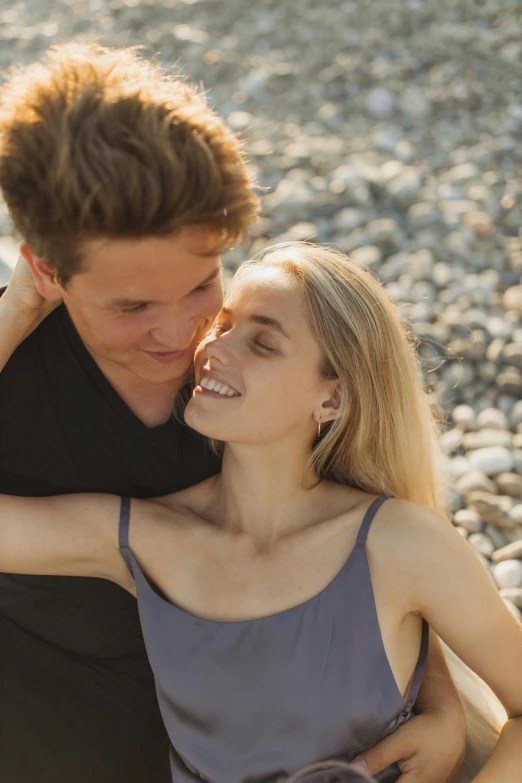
[(512, 299), (469, 520), (492, 460), (487, 437), (508, 573), (513, 608), (513, 594), (367, 256), (508, 552), (465, 417), (492, 418), (482, 543), (510, 484), (475, 479), (494, 509)]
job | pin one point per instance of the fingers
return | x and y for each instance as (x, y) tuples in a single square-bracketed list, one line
[(390, 750)]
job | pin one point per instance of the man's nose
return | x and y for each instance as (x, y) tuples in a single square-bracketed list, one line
[(174, 331)]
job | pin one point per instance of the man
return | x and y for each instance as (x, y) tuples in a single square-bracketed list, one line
[(125, 188)]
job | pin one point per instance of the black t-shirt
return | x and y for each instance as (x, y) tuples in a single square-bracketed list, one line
[(77, 699)]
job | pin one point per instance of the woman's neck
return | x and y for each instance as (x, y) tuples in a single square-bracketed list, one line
[(265, 492)]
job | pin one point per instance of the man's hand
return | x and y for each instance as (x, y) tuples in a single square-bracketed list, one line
[(429, 748)]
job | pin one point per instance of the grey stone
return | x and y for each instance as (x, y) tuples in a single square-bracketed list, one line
[(513, 594), (451, 440), (492, 418), (513, 298), (469, 520), (369, 256), (493, 509), (404, 189), (512, 354), (423, 214), (414, 102), (464, 417), (510, 484), (509, 552), (499, 537), (492, 459), (510, 382), (476, 479), (488, 437), (513, 608), (508, 573), (481, 543), (380, 103), (347, 219), (384, 232)]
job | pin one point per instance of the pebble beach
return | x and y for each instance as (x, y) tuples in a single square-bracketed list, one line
[(393, 130)]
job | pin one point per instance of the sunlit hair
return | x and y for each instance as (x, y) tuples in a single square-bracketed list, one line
[(386, 439), (98, 142)]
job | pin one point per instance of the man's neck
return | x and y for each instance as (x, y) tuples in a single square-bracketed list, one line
[(152, 403)]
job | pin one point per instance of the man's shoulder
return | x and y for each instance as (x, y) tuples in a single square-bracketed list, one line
[(48, 339)]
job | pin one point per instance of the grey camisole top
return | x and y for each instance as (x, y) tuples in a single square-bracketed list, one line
[(253, 701)]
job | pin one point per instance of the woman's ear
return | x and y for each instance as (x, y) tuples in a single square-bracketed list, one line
[(330, 408), (44, 278)]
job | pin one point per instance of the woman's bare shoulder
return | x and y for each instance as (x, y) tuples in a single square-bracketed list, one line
[(402, 530), (190, 504)]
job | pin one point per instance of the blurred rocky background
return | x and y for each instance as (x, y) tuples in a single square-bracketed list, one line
[(392, 129)]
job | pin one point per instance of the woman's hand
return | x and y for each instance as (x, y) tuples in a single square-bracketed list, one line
[(23, 298), (22, 309), (429, 748)]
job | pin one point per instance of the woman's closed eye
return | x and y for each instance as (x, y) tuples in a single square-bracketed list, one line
[(262, 346), (257, 345)]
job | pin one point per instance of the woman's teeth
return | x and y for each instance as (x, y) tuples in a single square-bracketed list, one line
[(216, 386)]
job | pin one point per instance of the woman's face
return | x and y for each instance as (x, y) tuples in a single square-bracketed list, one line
[(258, 370)]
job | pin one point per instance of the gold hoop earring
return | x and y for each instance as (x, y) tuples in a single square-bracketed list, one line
[(319, 430)]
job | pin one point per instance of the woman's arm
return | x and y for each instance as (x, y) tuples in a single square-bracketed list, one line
[(450, 588), (69, 535), (21, 310)]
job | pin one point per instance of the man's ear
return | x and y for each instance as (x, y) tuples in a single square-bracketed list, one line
[(44, 278)]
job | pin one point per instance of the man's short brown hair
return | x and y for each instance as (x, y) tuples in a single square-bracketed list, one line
[(100, 143)]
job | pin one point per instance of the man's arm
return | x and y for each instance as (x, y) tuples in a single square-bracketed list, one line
[(430, 747)]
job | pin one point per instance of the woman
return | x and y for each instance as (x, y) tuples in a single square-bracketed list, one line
[(285, 603)]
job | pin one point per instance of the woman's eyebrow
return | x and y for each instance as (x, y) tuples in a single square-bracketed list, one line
[(264, 320)]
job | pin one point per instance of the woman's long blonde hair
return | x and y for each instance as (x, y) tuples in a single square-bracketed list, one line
[(386, 438)]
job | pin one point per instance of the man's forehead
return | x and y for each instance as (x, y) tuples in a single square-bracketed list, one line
[(188, 242), (150, 269)]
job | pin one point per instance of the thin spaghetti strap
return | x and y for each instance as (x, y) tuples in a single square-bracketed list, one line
[(368, 517), (123, 531), (421, 665)]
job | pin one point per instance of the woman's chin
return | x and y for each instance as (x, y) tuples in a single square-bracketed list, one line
[(200, 422)]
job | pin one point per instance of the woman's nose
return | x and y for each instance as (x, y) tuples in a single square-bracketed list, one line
[(220, 349)]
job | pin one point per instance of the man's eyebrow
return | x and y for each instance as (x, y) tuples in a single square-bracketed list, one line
[(215, 272), (135, 302), (264, 320), (131, 302)]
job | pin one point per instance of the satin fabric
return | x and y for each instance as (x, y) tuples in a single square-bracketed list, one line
[(254, 701)]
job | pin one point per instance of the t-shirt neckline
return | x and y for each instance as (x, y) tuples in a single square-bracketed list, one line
[(105, 387)]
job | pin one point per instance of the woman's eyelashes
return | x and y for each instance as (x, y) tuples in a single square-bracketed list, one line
[(257, 345)]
